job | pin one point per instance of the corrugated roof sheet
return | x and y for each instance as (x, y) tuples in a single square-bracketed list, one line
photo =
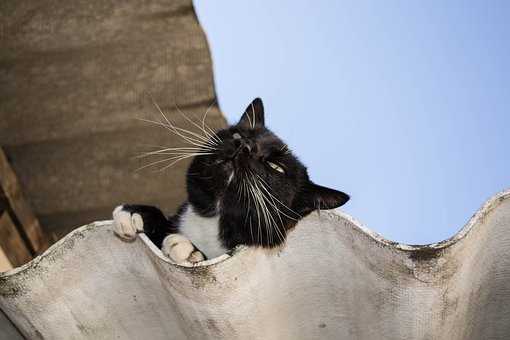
[(334, 279)]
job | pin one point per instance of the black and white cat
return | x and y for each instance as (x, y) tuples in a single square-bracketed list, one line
[(245, 187)]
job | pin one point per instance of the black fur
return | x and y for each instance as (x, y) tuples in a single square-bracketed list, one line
[(246, 150)]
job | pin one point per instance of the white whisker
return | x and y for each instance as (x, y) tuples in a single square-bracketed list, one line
[(252, 193), (267, 215), (205, 126), (159, 153), (270, 218), (174, 151), (175, 130), (172, 127), (175, 159), (208, 136), (264, 184)]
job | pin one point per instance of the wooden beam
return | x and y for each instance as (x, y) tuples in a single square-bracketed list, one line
[(20, 207), (12, 243), (5, 264)]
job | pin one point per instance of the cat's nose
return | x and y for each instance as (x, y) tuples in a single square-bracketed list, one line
[(243, 145), (246, 148), (238, 143), (240, 148)]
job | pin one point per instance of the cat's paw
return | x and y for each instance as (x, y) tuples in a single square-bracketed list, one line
[(180, 250), (126, 224)]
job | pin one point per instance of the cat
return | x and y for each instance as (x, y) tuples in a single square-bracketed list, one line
[(245, 187)]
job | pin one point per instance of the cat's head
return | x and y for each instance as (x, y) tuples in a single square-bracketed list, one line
[(251, 178)]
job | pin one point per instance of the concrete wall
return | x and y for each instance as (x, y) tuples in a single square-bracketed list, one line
[(333, 280), (74, 76)]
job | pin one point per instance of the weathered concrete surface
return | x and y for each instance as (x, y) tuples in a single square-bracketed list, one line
[(7, 329), (73, 78), (334, 280)]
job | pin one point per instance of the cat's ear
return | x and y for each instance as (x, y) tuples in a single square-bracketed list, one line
[(253, 116), (318, 197)]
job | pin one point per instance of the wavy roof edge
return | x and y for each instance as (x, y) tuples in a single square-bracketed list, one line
[(491, 204)]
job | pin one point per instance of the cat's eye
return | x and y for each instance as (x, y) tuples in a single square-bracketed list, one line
[(276, 167)]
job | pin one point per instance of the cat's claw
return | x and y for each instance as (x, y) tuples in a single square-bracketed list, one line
[(126, 224), (180, 250)]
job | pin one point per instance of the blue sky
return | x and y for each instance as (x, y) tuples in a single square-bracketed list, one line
[(402, 104)]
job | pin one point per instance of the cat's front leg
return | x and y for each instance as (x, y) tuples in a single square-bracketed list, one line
[(127, 223), (132, 219)]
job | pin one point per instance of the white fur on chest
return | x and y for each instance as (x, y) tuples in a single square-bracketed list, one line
[(203, 232)]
